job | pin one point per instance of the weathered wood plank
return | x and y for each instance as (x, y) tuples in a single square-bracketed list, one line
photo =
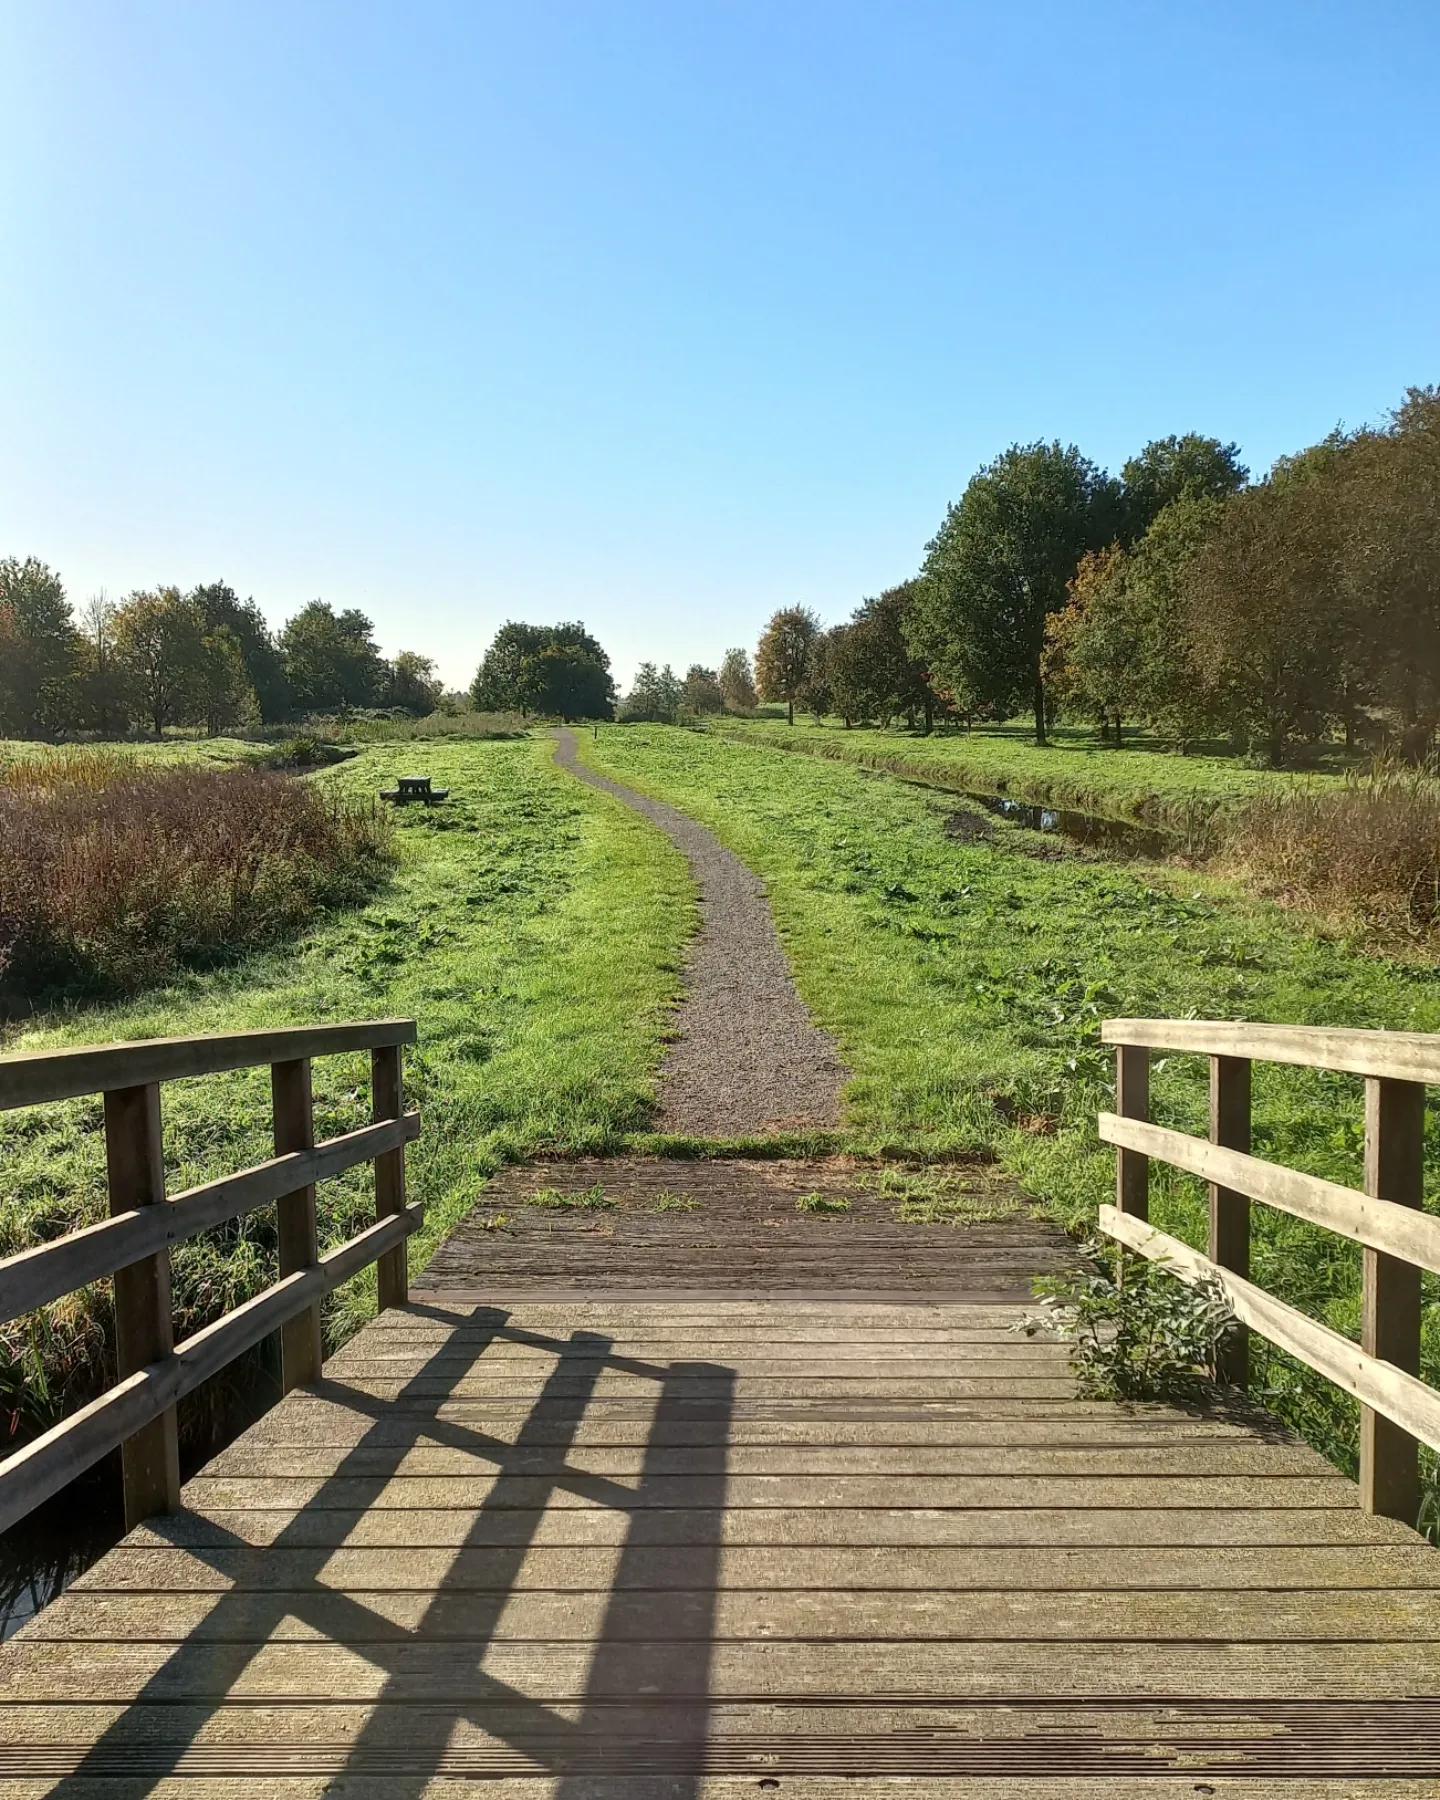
[(528, 1492), (144, 1315), (1399, 1230), (293, 1107), (717, 1383), (117, 1673), (837, 1568), (263, 1463), (736, 1353), (1116, 1528), (333, 1425), (774, 1615), (1396, 1055), (37, 1077), (1390, 1319)]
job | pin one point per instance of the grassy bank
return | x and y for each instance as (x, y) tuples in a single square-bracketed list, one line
[(533, 927), (966, 982), (1142, 782)]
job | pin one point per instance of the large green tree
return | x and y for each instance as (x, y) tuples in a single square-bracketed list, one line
[(506, 679), (224, 696), (737, 681), (654, 696), (1267, 638), (105, 701), (701, 691), (1123, 646), (332, 663), (39, 651), (782, 661), (222, 609), (159, 641), (1000, 565), (414, 686), (567, 681)]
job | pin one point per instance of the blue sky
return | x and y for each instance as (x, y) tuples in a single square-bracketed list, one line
[(665, 315)]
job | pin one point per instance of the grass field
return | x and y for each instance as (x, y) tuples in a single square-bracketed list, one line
[(533, 927), (966, 982), (1143, 781)]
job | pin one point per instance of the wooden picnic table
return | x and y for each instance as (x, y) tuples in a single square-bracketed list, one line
[(414, 787)]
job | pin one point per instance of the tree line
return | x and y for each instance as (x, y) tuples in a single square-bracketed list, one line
[(561, 671), (1274, 613), (204, 659)]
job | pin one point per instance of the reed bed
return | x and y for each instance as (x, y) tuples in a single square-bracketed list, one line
[(115, 873)]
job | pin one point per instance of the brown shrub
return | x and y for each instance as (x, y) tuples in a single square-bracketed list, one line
[(114, 873), (1366, 849)]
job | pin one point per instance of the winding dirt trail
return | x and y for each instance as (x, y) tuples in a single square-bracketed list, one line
[(748, 1058)]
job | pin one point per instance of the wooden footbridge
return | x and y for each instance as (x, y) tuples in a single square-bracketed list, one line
[(699, 1542)]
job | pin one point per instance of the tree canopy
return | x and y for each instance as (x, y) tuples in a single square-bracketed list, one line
[(1000, 564), (782, 662), (521, 672)]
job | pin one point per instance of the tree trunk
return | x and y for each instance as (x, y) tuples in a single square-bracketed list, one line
[(929, 715), (790, 711), (1119, 733), (1039, 700)]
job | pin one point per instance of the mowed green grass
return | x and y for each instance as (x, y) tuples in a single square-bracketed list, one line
[(534, 928), (1142, 781), (966, 983)]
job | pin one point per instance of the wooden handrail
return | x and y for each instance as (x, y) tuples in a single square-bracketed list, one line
[(1400, 1231), (39, 1077), (1388, 1055), (52, 1461), (1399, 1239), (137, 1414), (33, 1278)]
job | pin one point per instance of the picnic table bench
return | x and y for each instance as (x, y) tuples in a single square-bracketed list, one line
[(414, 787)]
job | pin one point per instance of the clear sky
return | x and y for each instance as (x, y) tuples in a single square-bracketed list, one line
[(663, 315)]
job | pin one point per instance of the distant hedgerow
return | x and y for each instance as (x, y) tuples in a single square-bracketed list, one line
[(115, 873)]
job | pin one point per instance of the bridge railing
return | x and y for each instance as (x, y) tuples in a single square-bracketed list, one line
[(1397, 1410), (133, 1244)]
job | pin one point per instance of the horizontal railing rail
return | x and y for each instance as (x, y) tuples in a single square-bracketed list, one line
[(133, 1244), (1398, 1411)]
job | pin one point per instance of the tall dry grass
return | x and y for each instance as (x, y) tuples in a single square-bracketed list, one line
[(1366, 849), (114, 873)]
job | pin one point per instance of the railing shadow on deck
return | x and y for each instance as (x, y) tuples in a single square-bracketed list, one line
[(639, 1608)]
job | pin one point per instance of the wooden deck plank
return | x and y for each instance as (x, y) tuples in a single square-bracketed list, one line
[(841, 1568), (896, 1463), (469, 1493), (1117, 1529), (664, 1552), (409, 1671), (731, 1615)]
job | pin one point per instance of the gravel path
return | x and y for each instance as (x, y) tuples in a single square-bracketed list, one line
[(748, 1058)]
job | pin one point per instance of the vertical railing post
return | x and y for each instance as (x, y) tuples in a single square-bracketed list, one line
[(292, 1103), (388, 1088), (144, 1324), (1394, 1170), (1132, 1101), (1229, 1211)]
